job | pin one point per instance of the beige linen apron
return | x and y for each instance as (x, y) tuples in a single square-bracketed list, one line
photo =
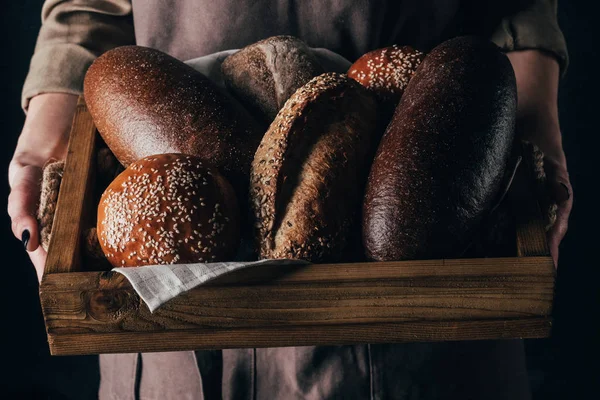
[(188, 29)]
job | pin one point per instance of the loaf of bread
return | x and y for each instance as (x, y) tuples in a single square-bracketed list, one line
[(440, 164), (166, 209), (386, 72), (308, 174), (265, 74), (145, 102)]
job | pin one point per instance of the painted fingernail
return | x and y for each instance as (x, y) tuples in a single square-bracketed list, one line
[(25, 238)]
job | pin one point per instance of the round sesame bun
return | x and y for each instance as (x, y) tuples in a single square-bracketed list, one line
[(168, 209), (387, 71)]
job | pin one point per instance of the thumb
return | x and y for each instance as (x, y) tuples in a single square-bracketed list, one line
[(560, 194), (22, 205)]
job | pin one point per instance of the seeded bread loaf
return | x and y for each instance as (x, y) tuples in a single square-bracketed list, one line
[(308, 174), (265, 74), (440, 164), (166, 209), (145, 102), (387, 71)]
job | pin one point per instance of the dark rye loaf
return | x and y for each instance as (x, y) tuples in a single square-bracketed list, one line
[(308, 174), (440, 164), (265, 74), (145, 102)]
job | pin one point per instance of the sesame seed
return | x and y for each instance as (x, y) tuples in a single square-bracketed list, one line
[(137, 203)]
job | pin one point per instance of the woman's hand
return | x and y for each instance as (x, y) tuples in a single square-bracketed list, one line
[(44, 137), (537, 76)]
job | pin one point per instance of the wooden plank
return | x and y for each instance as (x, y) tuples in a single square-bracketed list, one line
[(332, 273), (310, 296), (531, 235), (74, 196), (279, 336)]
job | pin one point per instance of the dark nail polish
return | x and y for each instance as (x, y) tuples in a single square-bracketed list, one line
[(25, 238)]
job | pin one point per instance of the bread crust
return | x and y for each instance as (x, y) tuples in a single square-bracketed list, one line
[(441, 161), (387, 71), (166, 209), (308, 173), (145, 102), (265, 74)]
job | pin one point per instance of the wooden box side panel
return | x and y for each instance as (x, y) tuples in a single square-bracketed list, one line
[(74, 198), (398, 301), (325, 294)]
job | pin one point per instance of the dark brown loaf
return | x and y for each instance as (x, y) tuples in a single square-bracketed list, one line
[(309, 171), (145, 102), (440, 164), (165, 209), (265, 74)]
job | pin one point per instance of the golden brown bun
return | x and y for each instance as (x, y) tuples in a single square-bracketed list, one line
[(166, 209), (386, 71), (145, 102), (308, 173)]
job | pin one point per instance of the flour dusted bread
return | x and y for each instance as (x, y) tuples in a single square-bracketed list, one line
[(440, 164), (145, 102), (308, 173), (265, 74), (167, 209)]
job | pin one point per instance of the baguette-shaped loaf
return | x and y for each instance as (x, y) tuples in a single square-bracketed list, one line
[(440, 164), (308, 174)]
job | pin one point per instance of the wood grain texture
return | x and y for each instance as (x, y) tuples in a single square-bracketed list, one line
[(279, 336), (319, 299), (74, 196), (531, 235)]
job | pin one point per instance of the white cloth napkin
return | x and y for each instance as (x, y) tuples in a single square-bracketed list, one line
[(157, 284)]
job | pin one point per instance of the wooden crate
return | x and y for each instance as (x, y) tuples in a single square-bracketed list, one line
[(325, 304)]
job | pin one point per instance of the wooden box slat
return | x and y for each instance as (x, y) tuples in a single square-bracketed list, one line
[(74, 197), (265, 306), (483, 289), (269, 336)]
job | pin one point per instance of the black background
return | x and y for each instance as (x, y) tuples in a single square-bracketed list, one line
[(561, 367)]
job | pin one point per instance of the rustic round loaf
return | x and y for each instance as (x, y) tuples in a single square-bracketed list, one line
[(441, 163), (166, 209), (145, 102), (387, 71), (265, 74)]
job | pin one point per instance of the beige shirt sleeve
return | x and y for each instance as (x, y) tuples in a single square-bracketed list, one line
[(73, 34), (535, 27)]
